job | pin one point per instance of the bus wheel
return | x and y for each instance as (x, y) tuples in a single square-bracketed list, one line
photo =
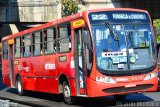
[(67, 93), (19, 86), (120, 97)]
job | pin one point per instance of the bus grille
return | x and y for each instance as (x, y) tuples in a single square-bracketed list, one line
[(123, 89)]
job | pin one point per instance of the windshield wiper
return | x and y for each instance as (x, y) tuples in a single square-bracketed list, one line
[(115, 37)]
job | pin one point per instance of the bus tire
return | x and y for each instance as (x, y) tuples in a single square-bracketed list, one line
[(19, 86), (120, 97), (68, 99)]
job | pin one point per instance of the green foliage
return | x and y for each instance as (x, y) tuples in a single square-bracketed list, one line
[(156, 23), (70, 7)]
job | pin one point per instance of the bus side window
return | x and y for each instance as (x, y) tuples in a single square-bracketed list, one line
[(17, 47), (26, 45), (37, 43), (49, 40), (64, 38), (5, 50)]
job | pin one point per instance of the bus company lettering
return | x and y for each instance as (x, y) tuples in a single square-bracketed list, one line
[(105, 80), (49, 66), (132, 78), (20, 68), (101, 79), (121, 79)]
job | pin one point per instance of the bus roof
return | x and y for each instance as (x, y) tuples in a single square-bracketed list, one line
[(68, 18), (117, 9)]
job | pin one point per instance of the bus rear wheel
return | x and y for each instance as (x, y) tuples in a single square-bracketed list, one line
[(19, 86), (68, 99)]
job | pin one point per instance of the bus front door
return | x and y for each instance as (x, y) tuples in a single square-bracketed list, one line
[(11, 65), (80, 61)]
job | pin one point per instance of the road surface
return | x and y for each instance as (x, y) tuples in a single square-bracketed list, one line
[(34, 99)]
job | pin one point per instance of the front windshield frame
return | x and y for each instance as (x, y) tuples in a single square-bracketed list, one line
[(127, 71)]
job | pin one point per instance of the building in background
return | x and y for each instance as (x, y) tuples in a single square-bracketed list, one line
[(17, 15), (23, 14), (30, 10)]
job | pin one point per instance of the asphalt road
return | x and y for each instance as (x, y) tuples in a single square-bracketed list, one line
[(49, 100), (36, 99)]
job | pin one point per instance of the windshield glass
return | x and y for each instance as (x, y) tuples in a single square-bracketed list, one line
[(123, 47)]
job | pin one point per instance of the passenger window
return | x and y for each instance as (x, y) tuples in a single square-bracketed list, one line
[(64, 38), (49, 40), (26, 45), (17, 47), (5, 50), (37, 45)]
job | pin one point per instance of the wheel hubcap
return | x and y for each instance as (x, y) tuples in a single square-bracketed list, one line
[(66, 92), (19, 87)]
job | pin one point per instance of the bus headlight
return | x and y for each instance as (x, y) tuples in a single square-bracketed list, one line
[(150, 76)]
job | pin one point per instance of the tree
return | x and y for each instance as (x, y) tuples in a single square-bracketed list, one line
[(156, 24), (70, 7)]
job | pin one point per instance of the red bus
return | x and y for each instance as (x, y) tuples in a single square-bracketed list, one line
[(94, 53)]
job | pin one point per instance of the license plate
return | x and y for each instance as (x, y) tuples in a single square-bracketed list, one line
[(130, 85)]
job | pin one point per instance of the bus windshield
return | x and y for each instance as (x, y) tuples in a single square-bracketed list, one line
[(133, 48)]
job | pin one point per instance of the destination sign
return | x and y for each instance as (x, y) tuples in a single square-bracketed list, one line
[(118, 17), (129, 16)]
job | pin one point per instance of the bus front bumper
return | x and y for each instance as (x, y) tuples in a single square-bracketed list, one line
[(99, 89)]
